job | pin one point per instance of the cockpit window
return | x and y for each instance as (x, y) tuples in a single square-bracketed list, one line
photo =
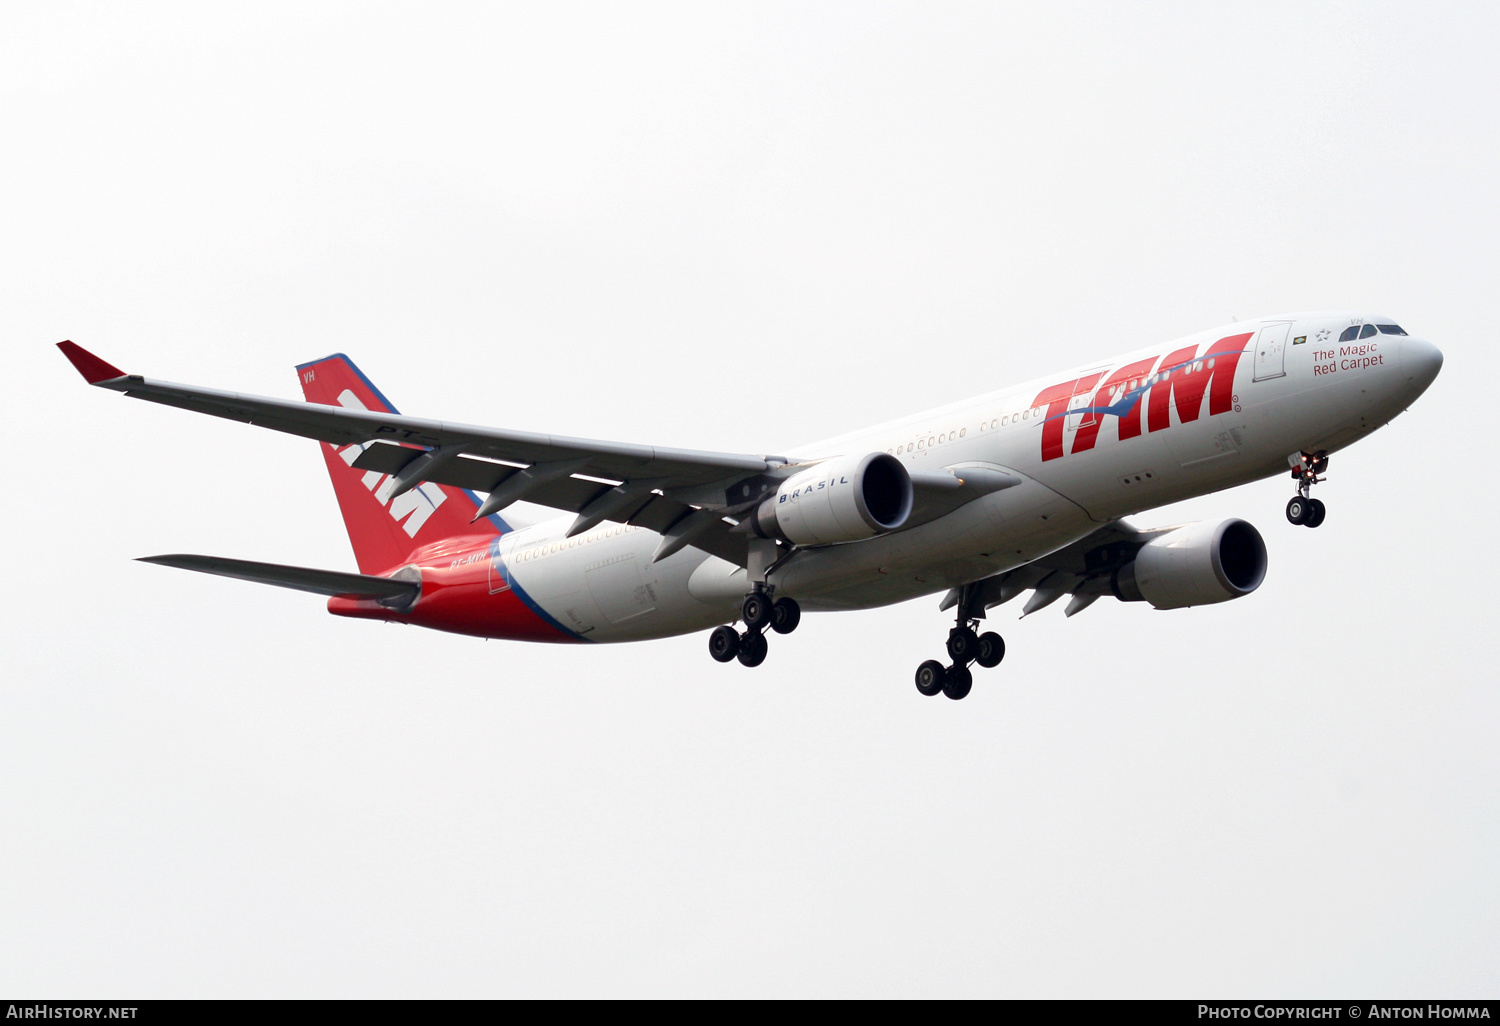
[(1350, 333), (1367, 331), (1390, 329)]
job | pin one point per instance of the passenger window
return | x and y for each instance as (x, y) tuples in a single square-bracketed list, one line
[(1390, 329), (1369, 329), (1350, 334)]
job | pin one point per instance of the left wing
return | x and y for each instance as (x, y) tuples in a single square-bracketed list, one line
[(679, 493), (676, 468), (685, 495)]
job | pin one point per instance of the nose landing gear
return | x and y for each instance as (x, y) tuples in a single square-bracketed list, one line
[(1302, 509), (965, 645)]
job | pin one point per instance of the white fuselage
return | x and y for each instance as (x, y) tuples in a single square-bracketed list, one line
[(1192, 422)]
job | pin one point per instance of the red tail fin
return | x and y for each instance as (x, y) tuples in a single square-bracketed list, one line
[(384, 532)]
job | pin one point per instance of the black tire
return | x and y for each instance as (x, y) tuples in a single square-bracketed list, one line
[(1296, 510), (991, 650), (963, 644), (1316, 511), (958, 682), (724, 643), (930, 677), (756, 611), (785, 615), (753, 649)]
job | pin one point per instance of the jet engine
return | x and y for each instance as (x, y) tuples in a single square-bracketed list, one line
[(843, 499), (1194, 566)]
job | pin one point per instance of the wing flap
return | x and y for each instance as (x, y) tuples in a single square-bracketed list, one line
[(652, 511), (1085, 566)]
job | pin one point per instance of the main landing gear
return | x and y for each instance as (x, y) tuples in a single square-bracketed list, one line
[(758, 612), (965, 645), (1302, 509)]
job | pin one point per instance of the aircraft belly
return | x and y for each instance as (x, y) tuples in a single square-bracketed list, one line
[(607, 589), (1116, 475), (993, 533)]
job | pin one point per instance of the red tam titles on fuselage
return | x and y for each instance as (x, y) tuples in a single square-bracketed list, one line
[(1179, 379)]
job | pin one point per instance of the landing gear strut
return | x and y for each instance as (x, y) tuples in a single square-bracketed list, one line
[(965, 645), (1302, 509), (758, 612)]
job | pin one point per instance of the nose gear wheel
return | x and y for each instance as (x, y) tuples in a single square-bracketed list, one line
[(1302, 509)]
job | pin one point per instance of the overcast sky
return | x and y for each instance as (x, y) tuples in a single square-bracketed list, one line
[(739, 228)]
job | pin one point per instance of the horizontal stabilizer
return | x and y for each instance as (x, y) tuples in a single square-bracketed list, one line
[(388, 590)]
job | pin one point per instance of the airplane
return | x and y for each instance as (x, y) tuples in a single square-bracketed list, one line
[(1024, 489)]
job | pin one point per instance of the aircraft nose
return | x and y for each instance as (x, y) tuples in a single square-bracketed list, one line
[(1420, 361)]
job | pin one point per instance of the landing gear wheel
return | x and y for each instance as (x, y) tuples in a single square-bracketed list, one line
[(785, 615), (724, 644), (1316, 511), (756, 611), (991, 650), (963, 645), (1296, 510), (930, 677), (752, 649), (958, 682)]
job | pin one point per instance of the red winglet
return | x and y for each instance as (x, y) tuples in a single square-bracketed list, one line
[(93, 369)]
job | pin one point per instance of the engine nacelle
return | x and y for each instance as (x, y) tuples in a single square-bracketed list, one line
[(1194, 566), (844, 499)]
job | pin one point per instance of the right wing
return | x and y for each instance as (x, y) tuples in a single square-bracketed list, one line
[(1083, 570)]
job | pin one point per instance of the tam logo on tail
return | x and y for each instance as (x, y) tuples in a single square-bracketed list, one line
[(415, 505), (385, 532)]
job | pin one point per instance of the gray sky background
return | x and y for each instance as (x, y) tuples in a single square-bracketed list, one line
[(732, 227)]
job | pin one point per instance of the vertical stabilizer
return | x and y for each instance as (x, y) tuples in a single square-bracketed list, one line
[(384, 531)]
